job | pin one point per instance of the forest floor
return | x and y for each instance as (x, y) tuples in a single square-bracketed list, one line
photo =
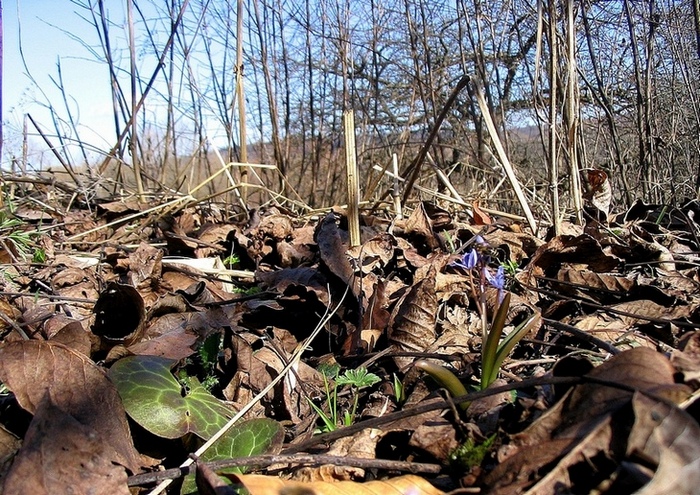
[(135, 336)]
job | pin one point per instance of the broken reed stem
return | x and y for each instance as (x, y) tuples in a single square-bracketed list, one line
[(161, 63), (241, 98), (413, 170), (55, 152), (396, 191), (553, 155), (352, 177), (503, 158), (573, 97), (442, 177), (133, 140)]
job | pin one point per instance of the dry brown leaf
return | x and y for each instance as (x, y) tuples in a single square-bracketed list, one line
[(669, 438), (361, 445), (579, 431), (332, 246), (145, 265), (413, 319), (437, 437), (649, 309), (565, 249), (271, 485), (9, 445), (419, 229), (73, 335), (480, 216), (592, 280), (32, 369), (63, 455), (686, 359), (374, 254), (307, 277), (600, 193)]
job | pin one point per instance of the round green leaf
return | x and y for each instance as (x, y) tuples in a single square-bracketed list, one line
[(156, 400)]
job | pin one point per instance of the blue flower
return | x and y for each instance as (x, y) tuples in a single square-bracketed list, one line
[(498, 280), (468, 261)]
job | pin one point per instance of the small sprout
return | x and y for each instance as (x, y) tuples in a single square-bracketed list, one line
[(232, 260), (356, 379), (399, 390)]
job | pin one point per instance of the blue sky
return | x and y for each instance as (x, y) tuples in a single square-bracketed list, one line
[(45, 30)]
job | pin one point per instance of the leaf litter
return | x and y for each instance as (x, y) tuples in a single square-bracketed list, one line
[(142, 334)]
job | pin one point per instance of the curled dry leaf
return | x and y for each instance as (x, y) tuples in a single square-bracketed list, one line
[(576, 443), (413, 320), (669, 438), (119, 315), (75, 385), (600, 193), (63, 455)]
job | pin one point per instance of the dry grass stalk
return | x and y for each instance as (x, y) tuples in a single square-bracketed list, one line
[(352, 177), (503, 158)]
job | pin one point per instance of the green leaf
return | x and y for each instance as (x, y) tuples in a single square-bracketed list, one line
[(490, 347), (359, 378), (512, 339), (208, 351), (253, 437), (156, 400), (330, 424), (445, 378)]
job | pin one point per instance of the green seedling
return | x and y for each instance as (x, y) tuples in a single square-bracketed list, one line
[(494, 352), (510, 267), (399, 390), (450, 242), (356, 380), (208, 355), (231, 261)]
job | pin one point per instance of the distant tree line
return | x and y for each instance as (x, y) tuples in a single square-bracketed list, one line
[(569, 85)]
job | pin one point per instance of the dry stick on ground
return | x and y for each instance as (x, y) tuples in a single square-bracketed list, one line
[(326, 438), (260, 461), (39, 180), (184, 199)]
